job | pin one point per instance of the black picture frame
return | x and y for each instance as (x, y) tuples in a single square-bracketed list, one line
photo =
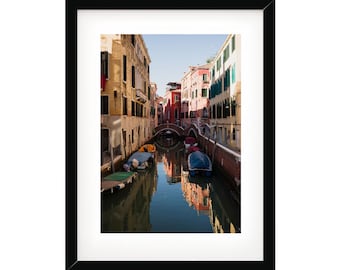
[(268, 8)]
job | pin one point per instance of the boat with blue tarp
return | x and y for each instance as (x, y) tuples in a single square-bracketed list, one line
[(139, 161), (198, 163)]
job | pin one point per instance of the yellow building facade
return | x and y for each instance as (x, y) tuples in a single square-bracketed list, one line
[(125, 97)]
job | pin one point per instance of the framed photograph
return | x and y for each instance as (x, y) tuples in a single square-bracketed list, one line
[(129, 198)]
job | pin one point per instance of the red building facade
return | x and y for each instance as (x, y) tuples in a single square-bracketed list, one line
[(172, 103)]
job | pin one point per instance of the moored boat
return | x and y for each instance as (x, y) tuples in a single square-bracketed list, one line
[(189, 142), (147, 148), (199, 162), (193, 148), (117, 180), (139, 161)]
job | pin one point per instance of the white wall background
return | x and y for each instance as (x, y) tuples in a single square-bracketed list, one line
[(32, 199)]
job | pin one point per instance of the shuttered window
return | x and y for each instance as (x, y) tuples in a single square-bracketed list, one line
[(133, 77), (104, 105), (124, 68)]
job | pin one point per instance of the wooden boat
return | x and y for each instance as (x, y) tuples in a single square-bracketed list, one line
[(190, 141), (193, 148), (117, 180), (147, 148), (139, 161), (198, 163)]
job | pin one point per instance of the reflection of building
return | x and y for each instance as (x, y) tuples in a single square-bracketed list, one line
[(223, 217), (172, 165), (132, 212), (196, 195), (126, 96), (202, 195), (225, 93)]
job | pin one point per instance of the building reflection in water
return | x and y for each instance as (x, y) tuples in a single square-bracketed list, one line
[(128, 210), (200, 193), (172, 157)]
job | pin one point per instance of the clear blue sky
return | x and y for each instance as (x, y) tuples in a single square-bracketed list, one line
[(171, 55)]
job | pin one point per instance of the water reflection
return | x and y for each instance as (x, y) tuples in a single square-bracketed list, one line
[(172, 159), (165, 198), (196, 192), (128, 210)]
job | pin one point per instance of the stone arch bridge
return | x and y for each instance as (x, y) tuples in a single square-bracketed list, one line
[(191, 130)]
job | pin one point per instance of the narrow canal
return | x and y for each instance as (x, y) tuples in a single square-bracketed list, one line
[(165, 198)]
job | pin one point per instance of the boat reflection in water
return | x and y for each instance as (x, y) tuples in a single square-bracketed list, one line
[(165, 198)]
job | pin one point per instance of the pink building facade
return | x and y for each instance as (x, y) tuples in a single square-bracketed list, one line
[(195, 96)]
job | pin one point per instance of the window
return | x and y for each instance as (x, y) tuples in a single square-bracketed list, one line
[(133, 40), (152, 111), (133, 76), (195, 92), (218, 64), (233, 44), (226, 54), (233, 107), (133, 108), (125, 106), (219, 110), (224, 108), (204, 92), (227, 79), (205, 77), (227, 108), (104, 105), (233, 73), (177, 99), (124, 68), (138, 109), (124, 136), (104, 68)]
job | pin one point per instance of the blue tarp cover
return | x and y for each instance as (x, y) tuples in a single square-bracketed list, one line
[(140, 156), (199, 160)]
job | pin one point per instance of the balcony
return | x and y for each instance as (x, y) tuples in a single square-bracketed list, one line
[(140, 96)]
